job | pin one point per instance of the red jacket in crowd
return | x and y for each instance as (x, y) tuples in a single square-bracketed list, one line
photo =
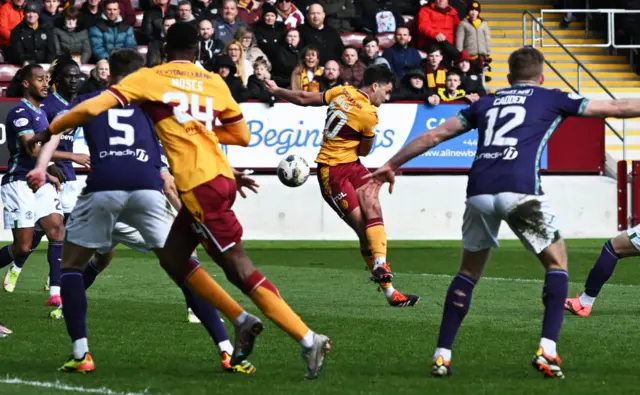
[(432, 20), (10, 17)]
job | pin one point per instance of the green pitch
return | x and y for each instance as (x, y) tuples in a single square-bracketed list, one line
[(141, 341)]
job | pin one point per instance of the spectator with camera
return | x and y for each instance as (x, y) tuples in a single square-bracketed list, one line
[(71, 38), (31, 41)]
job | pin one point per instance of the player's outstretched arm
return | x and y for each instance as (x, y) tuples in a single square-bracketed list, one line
[(83, 112), (300, 98), (620, 108), (234, 134), (421, 144)]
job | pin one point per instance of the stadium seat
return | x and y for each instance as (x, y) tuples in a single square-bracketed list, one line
[(86, 68), (143, 50), (139, 15), (385, 40), (353, 39), (7, 71), (79, 3)]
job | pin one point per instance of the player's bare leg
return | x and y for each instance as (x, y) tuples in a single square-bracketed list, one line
[(554, 294), (456, 307), (11, 278), (74, 260), (370, 218), (175, 259), (613, 250), (18, 250), (53, 226)]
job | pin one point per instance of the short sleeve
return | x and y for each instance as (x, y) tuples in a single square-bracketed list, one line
[(570, 103), (329, 95), (369, 125), (133, 88), (468, 116), (21, 122)]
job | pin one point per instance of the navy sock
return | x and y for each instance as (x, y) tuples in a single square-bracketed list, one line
[(554, 294), (456, 307), (54, 256), (90, 273), (74, 303), (602, 270), (206, 314), (35, 242), (6, 255)]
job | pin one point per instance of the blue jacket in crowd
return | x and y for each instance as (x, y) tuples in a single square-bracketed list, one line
[(402, 60), (107, 35)]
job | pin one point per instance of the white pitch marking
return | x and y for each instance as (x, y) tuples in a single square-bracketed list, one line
[(64, 387), (520, 280)]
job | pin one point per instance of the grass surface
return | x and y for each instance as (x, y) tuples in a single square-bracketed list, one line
[(141, 341)]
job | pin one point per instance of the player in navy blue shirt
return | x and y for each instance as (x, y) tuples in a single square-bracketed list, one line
[(22, 207), (514, 126), (125, 185)]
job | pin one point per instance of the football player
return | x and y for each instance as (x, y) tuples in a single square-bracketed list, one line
[(349, 134)]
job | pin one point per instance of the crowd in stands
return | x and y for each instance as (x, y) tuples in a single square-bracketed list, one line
[(441, 54)]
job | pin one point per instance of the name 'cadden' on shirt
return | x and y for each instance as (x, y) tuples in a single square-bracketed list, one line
[(514, 126), (124, 150)]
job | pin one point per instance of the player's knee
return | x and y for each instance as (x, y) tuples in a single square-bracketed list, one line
[(21, 248), (238, 265)]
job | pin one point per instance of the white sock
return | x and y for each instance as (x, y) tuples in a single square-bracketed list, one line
[(241, 318), (80, 347), (307, 340), (379, 261), (225, 346), (388, 292), (549, 347), (54, 290), (16, 269), (446, 354), (587, 300)]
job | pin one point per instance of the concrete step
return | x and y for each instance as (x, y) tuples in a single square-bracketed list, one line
[(512, 7), (518, 24), (517, 33), (618, 76), (503, 56), (510, 15), (565, 42), (566, 67), (505, 48)]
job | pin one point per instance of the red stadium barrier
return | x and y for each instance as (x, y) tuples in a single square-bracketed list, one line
[(623, 196), (635, 197)]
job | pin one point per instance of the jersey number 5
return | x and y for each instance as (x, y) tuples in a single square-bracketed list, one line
[(497, 138), (115, 123), (189, 109)]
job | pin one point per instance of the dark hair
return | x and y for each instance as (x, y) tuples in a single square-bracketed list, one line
[(168, 17), (454, 72), (123, 62), (433, 48), (182, 36), (184, 2), (349, 47), (71, 13), (26, 73), (58, 68), (378, 73), (369, 39), (403, 27), (526, 64), (105, 3)]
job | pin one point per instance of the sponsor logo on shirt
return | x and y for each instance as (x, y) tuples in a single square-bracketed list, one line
[(20, 122)]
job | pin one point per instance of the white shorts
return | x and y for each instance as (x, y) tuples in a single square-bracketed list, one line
[(530, 217), (69, 196), (94, 219), (23, 208), (634, 236)]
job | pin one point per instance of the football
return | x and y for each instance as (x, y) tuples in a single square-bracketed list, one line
[(293, 171)]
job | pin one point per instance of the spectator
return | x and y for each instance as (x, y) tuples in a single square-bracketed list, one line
[(340, 14), (452, 91), (11, 14), (152, 20), (351, 69), (378, 16), (226, 28), (371, 52), (286, 58), (252, 52), (111, 32), (236, 53), (154, 51), (289, 14), (471, 82), (50, 14), (205, 9), (226, 67), (71, 38), (325, 38), (98, 78), (412, 87), (31, 41), (437, 24), (436, 73), (185, 13), (400, 56), (330, 77), (257, 90), (473, 36), (268, 31), (249, 11), (210, 47), (90, 13), (305, 76)]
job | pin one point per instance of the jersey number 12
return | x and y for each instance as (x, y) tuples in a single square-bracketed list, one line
[(497, 138)]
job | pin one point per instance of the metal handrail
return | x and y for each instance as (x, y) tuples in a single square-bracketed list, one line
[(580, 65)]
